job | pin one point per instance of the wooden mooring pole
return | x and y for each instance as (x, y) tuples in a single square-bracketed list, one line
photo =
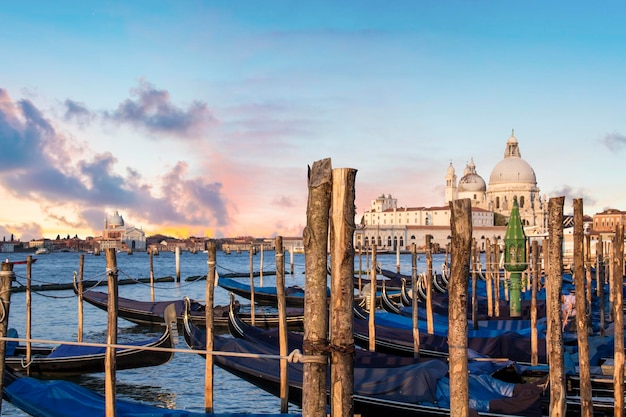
[(79, 288), (460, 254), (534, 334), (29, 269), (282, 325), (315, 239), (371, 324), (208, 315), (151, 274), (586, 403), (618, 317), (414, 305), (110, 356), (252, 302), (342, 229), (177, 251), (430, 322), (6, 278), (554, 284)]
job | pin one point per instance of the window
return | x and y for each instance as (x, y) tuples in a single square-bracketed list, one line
[(521, 202), (497, 202)]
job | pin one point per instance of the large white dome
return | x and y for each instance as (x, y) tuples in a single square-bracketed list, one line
[(512, 169), (116, 220)]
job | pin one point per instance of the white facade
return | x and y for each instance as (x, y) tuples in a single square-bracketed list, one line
[(388, 226)]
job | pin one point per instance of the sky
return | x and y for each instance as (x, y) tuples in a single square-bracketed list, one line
[(201, 118)]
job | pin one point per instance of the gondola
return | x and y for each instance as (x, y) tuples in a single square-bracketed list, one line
[(383, 384), (151, 313), (60, 398), (294, 295), (66, 360)]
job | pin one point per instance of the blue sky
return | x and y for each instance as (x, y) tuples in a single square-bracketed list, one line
[(201, 117)]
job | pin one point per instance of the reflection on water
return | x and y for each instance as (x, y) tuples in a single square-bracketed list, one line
[(180, 383)]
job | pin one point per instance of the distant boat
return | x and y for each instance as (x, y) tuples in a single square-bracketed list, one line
[(297, 249), (42, 251)]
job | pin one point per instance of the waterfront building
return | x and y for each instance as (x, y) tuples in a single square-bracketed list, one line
[(116, 234), (390, 227)]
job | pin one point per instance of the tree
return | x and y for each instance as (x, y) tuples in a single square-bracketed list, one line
[(58, 237)]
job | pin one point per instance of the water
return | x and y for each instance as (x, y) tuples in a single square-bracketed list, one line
[(178, 384)]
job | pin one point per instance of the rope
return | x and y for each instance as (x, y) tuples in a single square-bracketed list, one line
[(294, 357)]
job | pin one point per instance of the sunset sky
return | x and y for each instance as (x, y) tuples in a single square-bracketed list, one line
[(199, 118)]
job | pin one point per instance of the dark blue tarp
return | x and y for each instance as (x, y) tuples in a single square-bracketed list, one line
[(57, 398)]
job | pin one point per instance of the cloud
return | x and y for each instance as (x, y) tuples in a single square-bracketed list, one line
[(34, 166), (151, 110), (78, 112), (22, 232), (570, 194), (614, 141)]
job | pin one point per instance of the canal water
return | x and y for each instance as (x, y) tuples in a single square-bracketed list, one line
[(178, 384)]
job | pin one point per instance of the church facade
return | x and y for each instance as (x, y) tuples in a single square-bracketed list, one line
[(116, 234), (391, 227), (511, 178)]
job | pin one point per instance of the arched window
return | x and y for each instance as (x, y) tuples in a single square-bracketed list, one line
[(367, 241), (521, 202), (380, 241), (401, 242), (497, 202), (389, 241)]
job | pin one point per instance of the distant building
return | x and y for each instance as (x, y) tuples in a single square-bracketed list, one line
[(116, 234)]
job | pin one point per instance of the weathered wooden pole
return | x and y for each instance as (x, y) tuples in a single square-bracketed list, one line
[(282, 325), (208, 315), (361, 272), (611, 265), (177, 251), (618, 317), (252, 303), (110, 356), (588, 281), (414, 305), (496, 284), (371, 324), (460, 252), (79, 288), (342, 229), (474, 258), (554, 283), (29, 269), (600, 283), (291, 265), (151, 274), (586, 403), (534, 334), (315, 239), (398, 257), (430, 322), (261, 260), (6, 278), (489, 277)]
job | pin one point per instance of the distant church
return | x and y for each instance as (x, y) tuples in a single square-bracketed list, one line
[(120, 236), (511, 178)]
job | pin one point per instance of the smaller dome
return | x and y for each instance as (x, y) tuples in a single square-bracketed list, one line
[(471, 181), (116, 220)]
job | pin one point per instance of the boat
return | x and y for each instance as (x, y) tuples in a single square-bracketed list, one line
[(42, 251), (383, 384), (151, 312), (294, 295), (71, 359), (23, 262), (60, 398)]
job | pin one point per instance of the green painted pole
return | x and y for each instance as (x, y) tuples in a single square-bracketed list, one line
[(515, 258)]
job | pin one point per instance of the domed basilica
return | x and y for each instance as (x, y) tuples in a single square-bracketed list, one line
[(511, 178)]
